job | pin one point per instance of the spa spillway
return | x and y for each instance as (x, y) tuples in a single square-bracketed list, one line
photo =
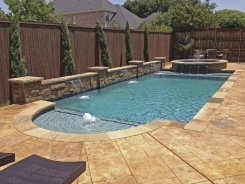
[(198, 65)]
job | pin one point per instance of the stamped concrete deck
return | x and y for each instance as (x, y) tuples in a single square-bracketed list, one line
[(204, 152)]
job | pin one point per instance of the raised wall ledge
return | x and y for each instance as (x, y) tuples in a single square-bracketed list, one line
[(136, 62), (121, 68), (25, 80), (69, 78), (151, 62), (97, 68), (160, 58)]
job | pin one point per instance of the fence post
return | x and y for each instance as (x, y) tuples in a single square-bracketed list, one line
[(172, 48), (215, 38), (240, 43)]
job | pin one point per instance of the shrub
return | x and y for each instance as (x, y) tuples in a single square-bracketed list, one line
[(18, 67), (231, 19), (183, 44), (129, 55), (68, 60), (146, 45), (100, 35)]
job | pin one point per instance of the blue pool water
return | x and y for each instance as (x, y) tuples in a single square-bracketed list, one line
[(162, 95)]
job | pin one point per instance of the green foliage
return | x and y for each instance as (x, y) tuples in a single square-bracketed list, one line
[(68, 60), (2, 14), (183, 44), (156, 25), (100, 35), (231, 19), (189, 15), (144, 8), (18, 68), (129, 55), (175, 15), (34, 10), (146, 45)]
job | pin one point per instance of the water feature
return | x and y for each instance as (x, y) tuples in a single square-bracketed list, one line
[(85, 97), (125, 74), (133, 82), (197, 55), (198, 65), (88, 118), (76, 83)]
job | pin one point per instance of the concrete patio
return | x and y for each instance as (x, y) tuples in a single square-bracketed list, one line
[(203, 152)]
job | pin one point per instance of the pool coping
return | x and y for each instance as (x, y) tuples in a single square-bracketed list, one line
[(201, 120), (23, 121)]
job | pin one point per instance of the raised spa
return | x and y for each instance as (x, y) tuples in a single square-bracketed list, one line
[(198, 65)]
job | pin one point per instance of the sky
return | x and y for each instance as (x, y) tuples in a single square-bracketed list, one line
[(222, 4)]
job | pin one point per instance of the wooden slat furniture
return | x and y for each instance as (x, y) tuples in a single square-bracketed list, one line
[(38, 170), (6, 158)]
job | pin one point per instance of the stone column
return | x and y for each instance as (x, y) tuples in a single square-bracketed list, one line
[(139, 65), (102, 75), (26, 89), (162, 60)]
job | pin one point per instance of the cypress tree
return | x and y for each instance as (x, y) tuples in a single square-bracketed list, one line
[(68, 60), (100, 35), (129, 55), (146, 45), (18, 67)]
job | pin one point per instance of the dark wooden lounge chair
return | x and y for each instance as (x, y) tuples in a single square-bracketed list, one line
[(6, 158), (38, 170)]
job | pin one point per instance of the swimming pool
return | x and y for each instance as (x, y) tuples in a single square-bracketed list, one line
[(163, 95)]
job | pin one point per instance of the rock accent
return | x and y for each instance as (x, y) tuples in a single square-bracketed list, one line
[(29, 89)]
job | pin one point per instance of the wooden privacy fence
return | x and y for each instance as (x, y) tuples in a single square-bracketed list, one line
[(41, 46), (232, 39)]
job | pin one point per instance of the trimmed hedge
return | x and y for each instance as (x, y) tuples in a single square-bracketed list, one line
[(68, 60), (129, 54), (18, 64), (100, 35)]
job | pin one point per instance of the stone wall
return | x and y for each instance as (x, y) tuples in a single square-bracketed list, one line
[(29, 89), (120, 74), (149, 67)]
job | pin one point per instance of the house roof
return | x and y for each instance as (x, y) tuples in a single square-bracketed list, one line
[(123, 16), (150, 17), (78, 6)]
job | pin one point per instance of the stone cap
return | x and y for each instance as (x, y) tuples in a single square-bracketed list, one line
[(97, 68), (122, 68), (151, 62), (69, 78), (136, 62), (25, 80), (159, 58)]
